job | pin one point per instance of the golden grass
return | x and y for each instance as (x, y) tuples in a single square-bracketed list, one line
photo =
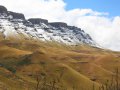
[(21, 60)]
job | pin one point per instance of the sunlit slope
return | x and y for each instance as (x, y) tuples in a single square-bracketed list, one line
[(79, 67)]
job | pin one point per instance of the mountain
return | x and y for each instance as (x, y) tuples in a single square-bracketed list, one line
[(34, 56), (27, 65), (15, 25)]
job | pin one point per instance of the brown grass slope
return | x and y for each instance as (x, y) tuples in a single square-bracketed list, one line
[(28, 65)]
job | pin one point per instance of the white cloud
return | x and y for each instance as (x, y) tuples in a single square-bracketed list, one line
[(105, 31)]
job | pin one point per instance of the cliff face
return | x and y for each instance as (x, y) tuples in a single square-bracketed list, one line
[(37, 20), (14, 24), (16, 15), (3, 9), (58, 24)]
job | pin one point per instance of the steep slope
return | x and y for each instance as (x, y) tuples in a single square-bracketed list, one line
[(78, 67), (15, 25), (21, 66)]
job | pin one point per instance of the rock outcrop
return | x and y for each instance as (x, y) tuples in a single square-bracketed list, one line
[(15, 25), (16, 15), (37, 20), (3, 9), (58, 24)]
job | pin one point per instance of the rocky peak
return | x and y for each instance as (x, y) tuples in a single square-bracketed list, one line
[(16, 15), (37, 20), (3, 9), (41, 29), (58, 24)]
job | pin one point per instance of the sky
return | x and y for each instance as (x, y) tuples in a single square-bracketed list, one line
[(110, 6), (99, 18)]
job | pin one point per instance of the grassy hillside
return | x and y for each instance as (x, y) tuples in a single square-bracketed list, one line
[(35, 65)]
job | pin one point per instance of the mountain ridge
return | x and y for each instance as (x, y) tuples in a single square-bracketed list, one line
[(15, 24)]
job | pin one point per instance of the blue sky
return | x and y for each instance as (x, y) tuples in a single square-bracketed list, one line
[(110, 6)]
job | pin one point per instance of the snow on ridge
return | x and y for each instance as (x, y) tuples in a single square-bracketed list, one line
[(41, 29)]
